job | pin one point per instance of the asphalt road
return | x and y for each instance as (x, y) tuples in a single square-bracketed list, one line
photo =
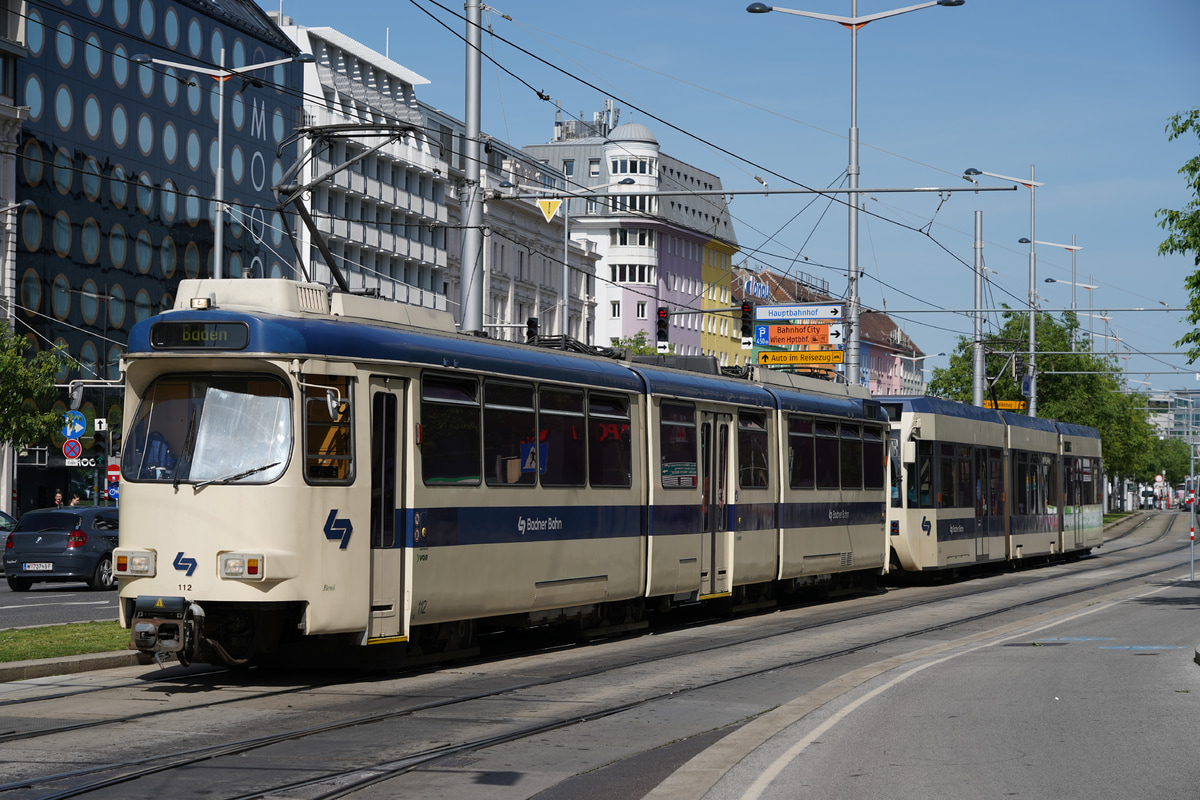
[(54, 604)]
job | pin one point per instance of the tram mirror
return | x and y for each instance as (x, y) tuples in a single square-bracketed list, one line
[(76, 395), (331, 401), (908, 452)]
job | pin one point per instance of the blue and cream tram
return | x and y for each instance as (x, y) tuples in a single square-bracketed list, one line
[(303, 465)]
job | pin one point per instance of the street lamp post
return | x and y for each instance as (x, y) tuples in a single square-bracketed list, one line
[(852, 23), (220, 73), (1032, 185), (1075, 286)]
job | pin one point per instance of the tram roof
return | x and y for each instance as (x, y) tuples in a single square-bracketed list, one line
[(928, 404)]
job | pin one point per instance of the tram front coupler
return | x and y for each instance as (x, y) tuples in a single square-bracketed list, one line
[(165, 626)]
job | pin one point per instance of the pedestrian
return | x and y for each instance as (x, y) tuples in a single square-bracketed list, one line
[(75, 499), (58, 498)]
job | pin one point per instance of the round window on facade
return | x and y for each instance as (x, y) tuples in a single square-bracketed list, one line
[(145, 134), (194, 93), (116, 306), (119, 185), (193, 151), (191, 260), (35, 33), (95, 7), (93, 55), (32, 162), (278, 77), (235, 265), (235, 219), (113, 368), (91, 179), (171, 86), (93, 117), (167, 303), (145, 194), (121, 12), (277, 127), (239, 53), (214, 154), (64, 45), (145, 79), (218, 49), (237, 164), (166, 257), (214, 101), (171, 27), (170, 200), (276, 269), (237, 107), (118, 246), (120, 125), (87, 361), (191, 206), (63, 171), (35, 99), (89, 240), (60, 296), (277, 229), (170, 142), (61, 234), (195, 38), (64, 108), (143, 252), (120, 65), (31, 292), (89, 301), (31, 229), (146, 18), (141, 306)]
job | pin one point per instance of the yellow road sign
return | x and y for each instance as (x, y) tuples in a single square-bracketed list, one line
[(799, 334), (783, 357), (1006, 405), (549, 208)]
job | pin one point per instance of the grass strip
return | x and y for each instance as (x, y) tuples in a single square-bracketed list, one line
[(55, 641)]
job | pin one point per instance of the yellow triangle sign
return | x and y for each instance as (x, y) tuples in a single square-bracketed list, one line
[(549, 208)]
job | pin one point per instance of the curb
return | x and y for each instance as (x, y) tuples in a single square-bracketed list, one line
[(67, 665)]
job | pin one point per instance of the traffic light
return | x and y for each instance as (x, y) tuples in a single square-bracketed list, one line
[(99, 446), (747, 320), (664, 322), (531, 330)]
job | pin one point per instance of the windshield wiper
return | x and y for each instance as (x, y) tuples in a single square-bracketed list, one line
[(237, 477), (189, 444)]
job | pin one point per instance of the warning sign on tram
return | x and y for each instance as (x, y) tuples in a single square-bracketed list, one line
[(788, 357)]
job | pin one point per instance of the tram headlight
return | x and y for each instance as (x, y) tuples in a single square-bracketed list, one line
[(242, 566), (134, 563)]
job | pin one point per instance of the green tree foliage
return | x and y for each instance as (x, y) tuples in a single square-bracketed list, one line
[(1091, 398), (639, 344), (23, 379), (1169, 458), (1183, 226)]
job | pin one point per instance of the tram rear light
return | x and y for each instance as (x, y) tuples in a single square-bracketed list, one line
[(242, 566)]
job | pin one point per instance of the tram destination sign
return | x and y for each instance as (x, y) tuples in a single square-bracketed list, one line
[(780, 358), (801, 313), (200, 335), (783, 335)]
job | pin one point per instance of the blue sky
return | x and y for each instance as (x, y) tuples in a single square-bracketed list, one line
[(1082, 90)]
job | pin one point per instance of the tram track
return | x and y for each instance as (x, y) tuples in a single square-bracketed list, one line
[(357, 777)]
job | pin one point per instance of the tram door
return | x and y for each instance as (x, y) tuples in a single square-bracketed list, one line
[(980, 488), (715, 453), (388, 595)]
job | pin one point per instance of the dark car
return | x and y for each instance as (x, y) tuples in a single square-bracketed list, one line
[(7, 523), (62, 544)]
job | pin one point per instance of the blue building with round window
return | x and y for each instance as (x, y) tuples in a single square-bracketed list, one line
[(119, 158)]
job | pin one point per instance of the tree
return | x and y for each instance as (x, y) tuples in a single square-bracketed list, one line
[(1086, 393), (1183, 226), (639, 344), (21, 380)]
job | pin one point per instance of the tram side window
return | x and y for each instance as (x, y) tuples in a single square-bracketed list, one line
[(802, 469), (946, 496), (328, 438), (1021, 482), (852, 458), (995, 483), (1071, 481), (450, 441), (964, 487), (563, 434), (979, 487), (510, 447), (873, 460), (1047, 481), (1092, 483), (677, 443), (920, 477), (610, 451), (828, 463), (752, 450)]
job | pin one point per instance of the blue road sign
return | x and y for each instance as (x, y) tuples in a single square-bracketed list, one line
[(73, 425), (114, 492)]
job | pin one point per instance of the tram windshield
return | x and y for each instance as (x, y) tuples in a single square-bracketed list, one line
[(204, 429)]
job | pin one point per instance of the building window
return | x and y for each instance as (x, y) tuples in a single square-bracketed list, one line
[(641, 310), (594, 168), (616, 309), (569, 167)]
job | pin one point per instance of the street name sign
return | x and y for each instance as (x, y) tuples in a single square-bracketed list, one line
[(802, 313)]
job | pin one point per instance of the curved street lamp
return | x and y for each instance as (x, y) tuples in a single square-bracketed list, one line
[(852, 23)]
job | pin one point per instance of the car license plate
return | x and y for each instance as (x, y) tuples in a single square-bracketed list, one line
[(37, 566)]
